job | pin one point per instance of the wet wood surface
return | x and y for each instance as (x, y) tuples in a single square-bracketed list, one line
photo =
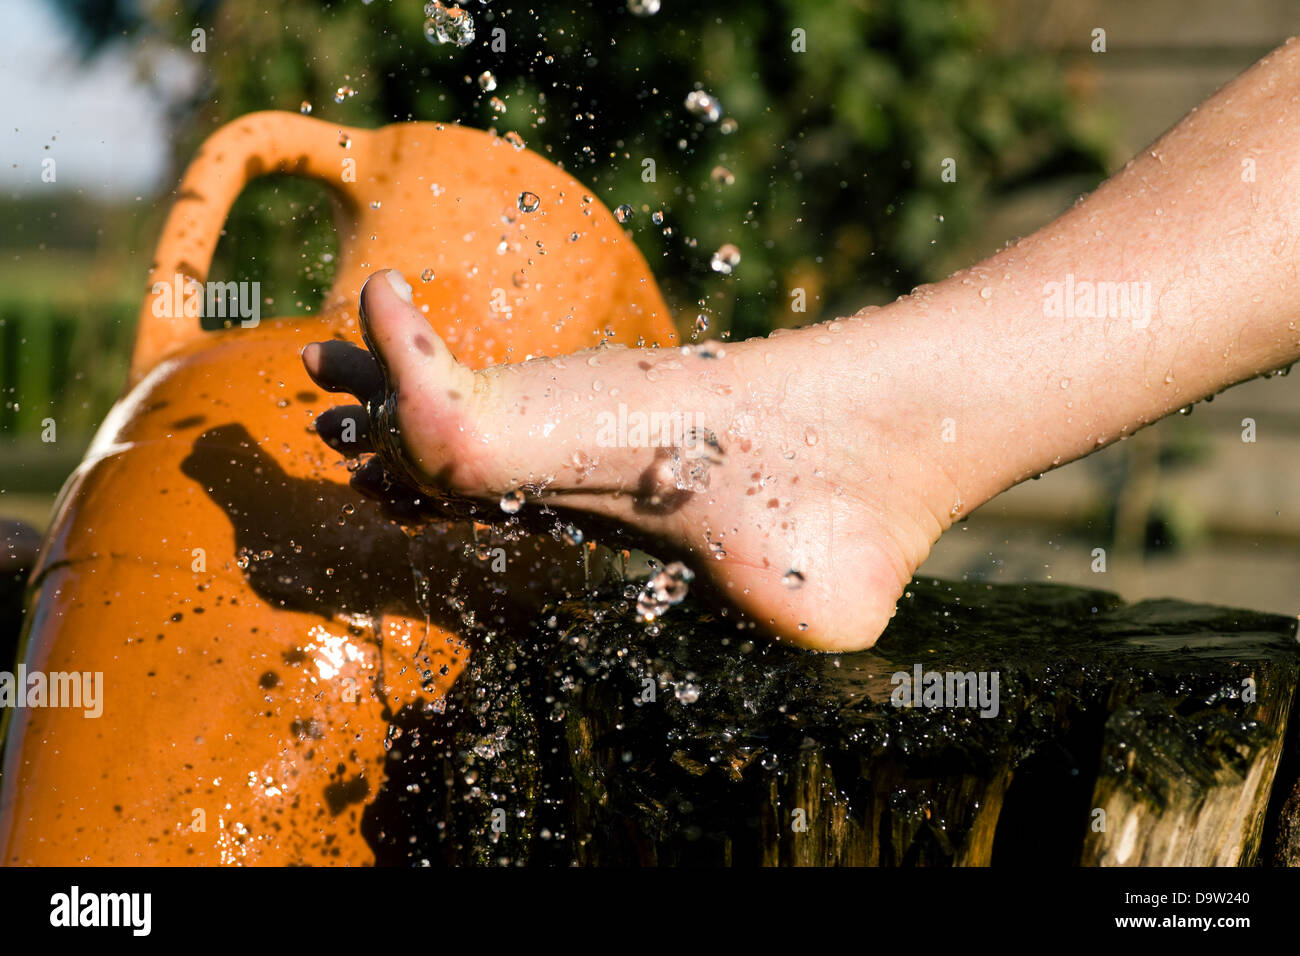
[(1146, 734)]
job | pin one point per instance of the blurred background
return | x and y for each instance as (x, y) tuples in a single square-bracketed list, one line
[(824, 173)]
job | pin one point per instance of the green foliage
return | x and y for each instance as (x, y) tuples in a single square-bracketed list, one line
[(836, 155)]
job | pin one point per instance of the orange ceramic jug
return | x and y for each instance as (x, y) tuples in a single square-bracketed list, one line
[(257, 624)]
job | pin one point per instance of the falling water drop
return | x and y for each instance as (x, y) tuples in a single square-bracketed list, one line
[(623, 213), (668, 587), (725, 259), (704, 106), (486, 81), (448, 24), (512, 501)]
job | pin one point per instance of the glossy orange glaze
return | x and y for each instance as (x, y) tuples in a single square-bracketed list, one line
[(255, 620)]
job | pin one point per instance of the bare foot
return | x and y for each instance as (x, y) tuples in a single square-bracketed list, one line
[(805, 476), (796, 486)]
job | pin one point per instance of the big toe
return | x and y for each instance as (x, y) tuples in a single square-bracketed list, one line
[(410, 354), (430, 440)]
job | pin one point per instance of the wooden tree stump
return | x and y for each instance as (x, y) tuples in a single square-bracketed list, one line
[(1144, 734)]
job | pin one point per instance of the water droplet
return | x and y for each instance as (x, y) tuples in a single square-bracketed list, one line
[(623, 213), (514, 139), (704, 106), (427, 275), (986, 292), (1185, 410), (305, 108), (1065, 383), (375, 204), (728, 126), (582, 463), (343, 92), (528, 202), (448, 24), (701, 323), (345, 140), (810, 435), (793, 579), (722, 176), (666, 588), (643, 8), (498, 105), (657, 218), (512, 501), (725, 259), (486, 81)]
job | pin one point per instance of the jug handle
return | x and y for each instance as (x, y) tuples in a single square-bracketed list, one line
[(254, 145)]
